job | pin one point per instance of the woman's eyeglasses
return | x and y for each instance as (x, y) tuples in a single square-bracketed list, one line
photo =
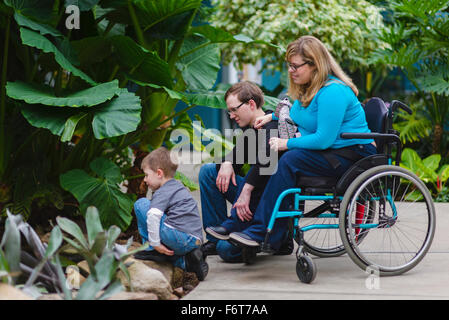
[(295, 67), (234, 110)]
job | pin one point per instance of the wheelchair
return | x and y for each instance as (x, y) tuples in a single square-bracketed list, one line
[(378, 213)]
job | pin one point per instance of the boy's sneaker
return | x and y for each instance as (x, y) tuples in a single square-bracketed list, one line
[(195, 263), (209, 249), (152, 255), (218, 232)]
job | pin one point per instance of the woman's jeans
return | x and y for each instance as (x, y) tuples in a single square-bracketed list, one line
[(292, 163), (180, 242)]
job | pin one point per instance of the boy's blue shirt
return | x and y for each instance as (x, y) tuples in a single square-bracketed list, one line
[(320, 127)]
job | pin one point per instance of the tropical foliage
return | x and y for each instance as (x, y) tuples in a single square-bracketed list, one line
[(346, 27), (418, 44), (76, 103), (41, 267)]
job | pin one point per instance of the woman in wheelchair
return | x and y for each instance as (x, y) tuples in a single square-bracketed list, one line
[(325, 105)]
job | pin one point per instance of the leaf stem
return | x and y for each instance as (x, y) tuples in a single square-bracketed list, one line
[(3, 154)]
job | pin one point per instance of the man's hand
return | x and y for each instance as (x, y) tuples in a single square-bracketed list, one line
[(164, 250), (225, 175), (242, 204)]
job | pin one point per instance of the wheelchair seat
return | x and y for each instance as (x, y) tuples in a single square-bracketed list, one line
[(376, 114)]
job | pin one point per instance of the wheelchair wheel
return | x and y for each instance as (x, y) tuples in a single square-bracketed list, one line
[(324, 243), (397, 229), (305, 269)]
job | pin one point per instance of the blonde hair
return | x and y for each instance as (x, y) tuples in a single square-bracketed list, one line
[(313, 51), (161, 158)]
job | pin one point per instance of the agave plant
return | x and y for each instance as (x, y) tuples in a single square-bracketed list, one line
[(104, 257), (41, 266)]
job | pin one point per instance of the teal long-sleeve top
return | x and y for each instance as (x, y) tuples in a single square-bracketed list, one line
[(334, 109)]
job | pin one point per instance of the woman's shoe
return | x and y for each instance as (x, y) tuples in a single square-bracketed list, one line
[(240, 238)]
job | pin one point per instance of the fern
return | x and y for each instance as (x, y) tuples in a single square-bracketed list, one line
[(413, 127)]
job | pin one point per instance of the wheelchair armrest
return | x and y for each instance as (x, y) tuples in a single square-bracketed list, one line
[(371, 135), (382, 136)]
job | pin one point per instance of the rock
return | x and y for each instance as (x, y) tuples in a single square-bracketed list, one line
[(51, 296), (190, 279), (145, 279), (133, 296), (177, 277), (165, 267), (8, 292), (179, 292)]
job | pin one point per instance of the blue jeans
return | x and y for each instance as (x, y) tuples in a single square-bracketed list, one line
[(180, 242), (292, 163), (214, 210)]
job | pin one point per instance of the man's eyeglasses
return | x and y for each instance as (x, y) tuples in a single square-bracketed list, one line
[(296, 66), (234, 110)]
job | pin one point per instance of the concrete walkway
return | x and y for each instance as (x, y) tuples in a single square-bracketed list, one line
[(274, 277)]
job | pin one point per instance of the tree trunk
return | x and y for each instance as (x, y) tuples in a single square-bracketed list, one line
[(437, 136)]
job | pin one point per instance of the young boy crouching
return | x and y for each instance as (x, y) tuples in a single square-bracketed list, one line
[(170, 221)]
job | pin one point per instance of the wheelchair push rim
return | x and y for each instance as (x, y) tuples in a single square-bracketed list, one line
[(397, 236)]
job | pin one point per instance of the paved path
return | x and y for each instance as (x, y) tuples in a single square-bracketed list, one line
[(274, 277)]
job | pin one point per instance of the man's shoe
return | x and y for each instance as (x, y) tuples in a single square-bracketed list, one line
[(152, 255), (242, 239), (209, 249), (218, 232), (195, 263)]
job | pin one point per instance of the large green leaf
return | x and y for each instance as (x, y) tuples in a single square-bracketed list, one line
[(110, 119), (83, 5), (101, 191), (39, 9), (42, 28), (36, 40), (88, 97), (117, 117), (152, 12), (143, 65), (199, 64), (217, 35)]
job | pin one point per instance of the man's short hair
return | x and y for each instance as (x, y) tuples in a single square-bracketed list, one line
[(161, 158), (246, 90)]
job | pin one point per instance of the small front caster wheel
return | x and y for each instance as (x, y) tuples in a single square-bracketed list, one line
[(305, 269)]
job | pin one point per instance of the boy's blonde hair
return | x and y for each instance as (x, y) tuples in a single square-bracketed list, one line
[(161, 158), (313, 51)]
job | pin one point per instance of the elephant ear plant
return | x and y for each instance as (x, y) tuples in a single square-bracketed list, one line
[(39, 267)]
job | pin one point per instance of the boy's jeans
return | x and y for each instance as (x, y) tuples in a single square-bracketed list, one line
[(180, 242)]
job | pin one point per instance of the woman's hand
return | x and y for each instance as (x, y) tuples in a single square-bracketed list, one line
[(278, 144), (164, 250), (225, 175), (242, 204), (262, 120)]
